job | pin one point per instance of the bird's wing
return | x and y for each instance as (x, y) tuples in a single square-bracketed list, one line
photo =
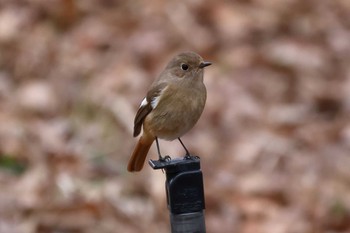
[(147, 105)]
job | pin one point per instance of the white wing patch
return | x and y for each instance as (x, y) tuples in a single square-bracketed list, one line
[(156, 99), (143, 103)]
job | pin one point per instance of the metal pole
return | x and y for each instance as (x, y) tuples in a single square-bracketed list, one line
[(185, 193)]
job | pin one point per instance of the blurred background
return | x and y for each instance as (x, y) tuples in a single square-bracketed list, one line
[(274, 138)]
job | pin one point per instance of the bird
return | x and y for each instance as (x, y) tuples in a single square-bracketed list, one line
[(172, 106)]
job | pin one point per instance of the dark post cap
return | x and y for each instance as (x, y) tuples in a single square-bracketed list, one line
[(184, 184)]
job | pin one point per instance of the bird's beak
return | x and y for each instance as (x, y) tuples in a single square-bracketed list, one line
[(204, 64)]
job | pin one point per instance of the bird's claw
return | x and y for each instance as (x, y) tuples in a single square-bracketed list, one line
[(166, 158), (190, 157)]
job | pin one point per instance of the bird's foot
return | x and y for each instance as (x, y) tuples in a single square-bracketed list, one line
[(188, 156), (166, 158)]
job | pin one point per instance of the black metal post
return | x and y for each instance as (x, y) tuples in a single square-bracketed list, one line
[(185, 193)]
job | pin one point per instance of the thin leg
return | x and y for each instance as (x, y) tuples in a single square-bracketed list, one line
[(161, 158), (187, 153), (159, 154)]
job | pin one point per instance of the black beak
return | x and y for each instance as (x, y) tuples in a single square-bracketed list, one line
[(204, 64)]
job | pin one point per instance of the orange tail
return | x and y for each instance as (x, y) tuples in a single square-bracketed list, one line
[(138, 157)]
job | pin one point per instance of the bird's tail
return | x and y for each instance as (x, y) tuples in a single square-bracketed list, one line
[(138, 157)]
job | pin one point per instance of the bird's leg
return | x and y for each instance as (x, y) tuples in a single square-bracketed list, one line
[(161, 158), (159, 154), (187, 156)]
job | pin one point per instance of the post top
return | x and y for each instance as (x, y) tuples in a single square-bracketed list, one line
[(187, 163)]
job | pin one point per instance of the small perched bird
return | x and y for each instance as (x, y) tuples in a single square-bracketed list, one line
[(173, 105)]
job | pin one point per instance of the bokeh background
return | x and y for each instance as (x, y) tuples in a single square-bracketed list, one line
[(274, 139)]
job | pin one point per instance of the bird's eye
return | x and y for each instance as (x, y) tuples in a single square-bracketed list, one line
[(184, 66)]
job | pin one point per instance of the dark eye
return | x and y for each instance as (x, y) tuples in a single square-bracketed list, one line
[(184, 67)]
